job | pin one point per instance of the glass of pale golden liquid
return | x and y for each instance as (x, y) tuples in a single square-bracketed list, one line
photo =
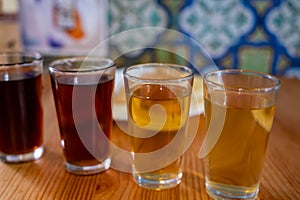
[(239, 112), (158, 99)]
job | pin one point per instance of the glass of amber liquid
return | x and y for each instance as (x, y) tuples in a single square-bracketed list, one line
[(158, 100), (82, 89), (21, 110), (239, 112)]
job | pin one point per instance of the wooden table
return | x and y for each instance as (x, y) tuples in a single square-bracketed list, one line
[(47, 178)]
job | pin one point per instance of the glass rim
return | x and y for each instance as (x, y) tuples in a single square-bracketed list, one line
[(34, 57), (272, 78), (190, 73), (107, 63)]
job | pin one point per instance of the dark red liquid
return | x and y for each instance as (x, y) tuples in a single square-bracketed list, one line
[(91, 109), (21, 115)]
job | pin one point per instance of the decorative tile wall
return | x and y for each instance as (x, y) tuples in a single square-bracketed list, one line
[(262, 35)]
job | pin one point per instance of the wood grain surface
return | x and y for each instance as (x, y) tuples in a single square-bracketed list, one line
[(47, 178)]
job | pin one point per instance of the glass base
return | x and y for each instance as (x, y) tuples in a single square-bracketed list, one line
[(88, 170), (157, 182), (223, 191), (36, 154)]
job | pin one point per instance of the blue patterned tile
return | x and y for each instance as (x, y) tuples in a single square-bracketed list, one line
[(208, 23), (126, 15), (283, 22), (262, 35)]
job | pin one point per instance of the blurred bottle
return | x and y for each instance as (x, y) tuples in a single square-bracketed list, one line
[(60, 28)]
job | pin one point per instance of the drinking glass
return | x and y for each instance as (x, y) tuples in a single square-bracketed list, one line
[(21, 110), (158, 98), (239, 111), (82, 89)]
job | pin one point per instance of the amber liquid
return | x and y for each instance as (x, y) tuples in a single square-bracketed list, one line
[(175, 101), (21, 115), (89, 118), (236, 160)]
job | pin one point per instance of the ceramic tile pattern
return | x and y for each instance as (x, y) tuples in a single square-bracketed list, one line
[(262, 35)]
